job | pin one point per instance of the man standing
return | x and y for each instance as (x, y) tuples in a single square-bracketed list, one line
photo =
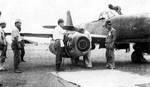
[(115, 8), (17, 46), (58, 37), (3, 45), (22, 45), (110, 41)]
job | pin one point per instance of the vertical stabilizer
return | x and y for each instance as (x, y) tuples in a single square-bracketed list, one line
[(69, 19)]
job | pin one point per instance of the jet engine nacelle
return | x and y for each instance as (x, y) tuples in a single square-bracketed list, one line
[(76, 44)]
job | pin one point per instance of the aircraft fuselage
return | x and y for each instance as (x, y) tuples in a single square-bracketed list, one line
[(134, 28)]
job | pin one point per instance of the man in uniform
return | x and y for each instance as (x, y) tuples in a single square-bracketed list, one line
[(110, 41), (3, 46), (58, 37), (115, 8), (22, 45), (17, 46)]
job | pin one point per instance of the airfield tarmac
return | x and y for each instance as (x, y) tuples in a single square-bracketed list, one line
[(39, 70)]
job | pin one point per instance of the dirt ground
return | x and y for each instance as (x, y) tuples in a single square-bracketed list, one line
[(40, 64)]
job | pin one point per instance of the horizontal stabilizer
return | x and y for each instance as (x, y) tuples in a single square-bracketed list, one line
[(49, 26), (69, 28)]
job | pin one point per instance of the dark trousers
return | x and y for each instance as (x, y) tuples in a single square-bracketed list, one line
[(59, 51), (17, 58), (22, 53), (3, 54), (17, 54), (110, 57), (4, 51)]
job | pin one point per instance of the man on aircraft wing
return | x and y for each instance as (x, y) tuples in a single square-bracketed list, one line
[(111, 12), (115, 8)]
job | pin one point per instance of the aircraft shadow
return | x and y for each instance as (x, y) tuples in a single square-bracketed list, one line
[(125, 66)]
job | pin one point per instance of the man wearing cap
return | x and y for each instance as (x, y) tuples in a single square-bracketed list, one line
[(59, 37), (110, 41), (3, 46), (115, 8), (17, 46)]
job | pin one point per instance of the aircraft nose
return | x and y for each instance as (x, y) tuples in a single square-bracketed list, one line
[(83, 44)]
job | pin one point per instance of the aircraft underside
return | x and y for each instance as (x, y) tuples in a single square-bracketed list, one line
[(139, 49)]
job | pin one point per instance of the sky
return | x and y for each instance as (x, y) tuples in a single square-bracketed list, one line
[(36, 13)]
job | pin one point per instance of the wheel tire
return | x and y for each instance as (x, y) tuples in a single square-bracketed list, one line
[(134, 57), (137, 57)]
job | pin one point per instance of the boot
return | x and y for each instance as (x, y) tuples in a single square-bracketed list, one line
[(22, 60), (58, 68), (17, 71)]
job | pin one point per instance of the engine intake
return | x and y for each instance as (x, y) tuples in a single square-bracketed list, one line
[(83, 44)]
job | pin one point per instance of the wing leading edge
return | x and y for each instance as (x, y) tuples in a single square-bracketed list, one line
[(34, 35)]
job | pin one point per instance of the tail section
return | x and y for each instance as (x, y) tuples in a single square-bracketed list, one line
[(69, 19), (69, 24)]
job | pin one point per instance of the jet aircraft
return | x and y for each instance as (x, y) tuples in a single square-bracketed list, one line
[(130, 29)]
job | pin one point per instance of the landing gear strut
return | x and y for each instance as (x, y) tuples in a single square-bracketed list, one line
[(137, 55)]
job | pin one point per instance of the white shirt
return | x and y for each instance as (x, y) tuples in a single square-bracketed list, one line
[(59, 33), (2, 32), (2, 36), (15, 33)]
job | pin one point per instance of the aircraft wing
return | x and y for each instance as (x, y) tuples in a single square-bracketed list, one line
[(98, 39), (38, 35), (34, 35)]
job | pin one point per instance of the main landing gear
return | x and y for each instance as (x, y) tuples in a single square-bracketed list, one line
[(137, 55)]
